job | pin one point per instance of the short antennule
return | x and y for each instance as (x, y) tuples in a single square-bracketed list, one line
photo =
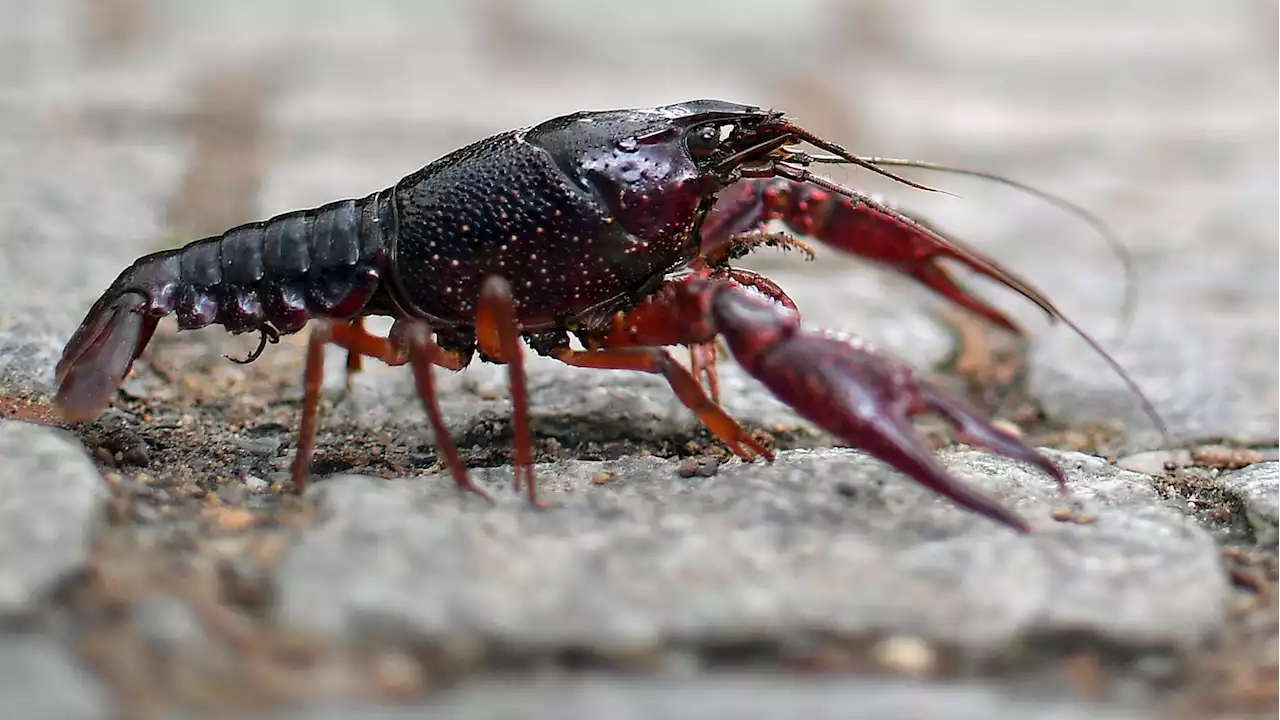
[(849, 157)]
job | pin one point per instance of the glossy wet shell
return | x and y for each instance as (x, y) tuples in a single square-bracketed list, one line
[(555, 224)]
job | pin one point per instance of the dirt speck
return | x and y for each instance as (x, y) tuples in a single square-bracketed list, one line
[(1066, 513), (1223, 457)]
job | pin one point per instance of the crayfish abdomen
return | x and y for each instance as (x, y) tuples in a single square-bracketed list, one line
[(271, 277)]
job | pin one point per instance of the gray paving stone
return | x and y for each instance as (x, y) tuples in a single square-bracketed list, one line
[(51, 501), (42, 680), (1162, 120), (826, 540), (1258, 487), (745, 697)]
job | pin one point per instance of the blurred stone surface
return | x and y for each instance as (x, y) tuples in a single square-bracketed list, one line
[(51, 502), (748, 697), (824, 541), (1258, 488), (43, 680), (1158, 116)]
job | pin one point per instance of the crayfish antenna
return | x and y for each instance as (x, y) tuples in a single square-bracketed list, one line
[(1128, 300), (1147, 406), (844, 156), (976, 261)]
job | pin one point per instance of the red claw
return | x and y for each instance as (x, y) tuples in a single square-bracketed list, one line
[(859, 394), (863, 397), (861, 226)]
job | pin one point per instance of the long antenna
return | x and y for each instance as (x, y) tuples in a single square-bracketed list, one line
[(1128, 299), (1043, 303)]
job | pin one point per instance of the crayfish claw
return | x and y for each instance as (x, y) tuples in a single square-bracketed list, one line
[(869, 403), (977, 430), (863, 397), (894, 440), (933, 275)]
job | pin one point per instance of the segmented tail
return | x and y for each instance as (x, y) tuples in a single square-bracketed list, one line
[(102, 350), (268, 277)]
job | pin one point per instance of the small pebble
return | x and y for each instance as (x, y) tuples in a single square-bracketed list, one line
[(398, 675), (1155, 461), (1066, 513), (261, 446), (1225, 458), (144, 513), (699, 467), (136, 455), (1007, 426), (232, 493), (256, 484), (233, 519), (907, 655), (104, 456), (243, 583), (166, 623)]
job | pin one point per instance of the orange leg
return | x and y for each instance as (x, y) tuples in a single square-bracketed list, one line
[(410, 342), (498, 334), (660, 362)]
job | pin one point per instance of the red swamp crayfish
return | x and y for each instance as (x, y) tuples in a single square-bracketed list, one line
[(615, 227)]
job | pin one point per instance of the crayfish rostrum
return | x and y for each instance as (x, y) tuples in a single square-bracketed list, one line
[(618, 227)]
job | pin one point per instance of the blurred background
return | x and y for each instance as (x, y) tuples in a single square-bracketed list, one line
[(131, 125), (127, 125)]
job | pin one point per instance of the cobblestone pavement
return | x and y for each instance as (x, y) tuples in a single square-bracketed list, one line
[(151, 564)]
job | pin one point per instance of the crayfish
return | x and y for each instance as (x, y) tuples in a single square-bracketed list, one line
[(617, 228)]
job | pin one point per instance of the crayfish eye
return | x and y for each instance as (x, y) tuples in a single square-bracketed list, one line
[(703, 141)]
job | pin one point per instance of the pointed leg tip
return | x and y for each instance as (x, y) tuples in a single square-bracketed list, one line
[(1037, 460), (1018, 525), (1062, 483)]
